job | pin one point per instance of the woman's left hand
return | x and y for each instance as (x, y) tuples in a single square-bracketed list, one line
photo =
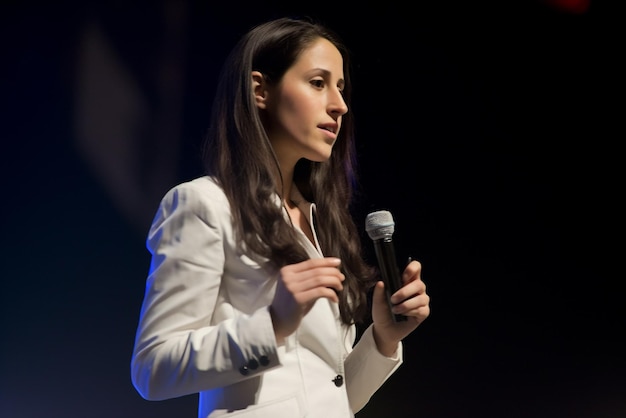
[(411, 301)]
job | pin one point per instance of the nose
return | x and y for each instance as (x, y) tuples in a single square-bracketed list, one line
[(337, 105)]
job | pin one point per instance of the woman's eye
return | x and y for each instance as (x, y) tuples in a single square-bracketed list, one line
[(317, 83)]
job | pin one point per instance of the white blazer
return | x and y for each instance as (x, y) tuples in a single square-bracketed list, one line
[(205, 325)]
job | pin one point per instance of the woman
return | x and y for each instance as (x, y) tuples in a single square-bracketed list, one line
[(257, 281)]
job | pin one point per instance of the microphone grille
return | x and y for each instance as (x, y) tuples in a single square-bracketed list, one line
[(379, 224)]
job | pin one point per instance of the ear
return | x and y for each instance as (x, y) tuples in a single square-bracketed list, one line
[(259, 87)]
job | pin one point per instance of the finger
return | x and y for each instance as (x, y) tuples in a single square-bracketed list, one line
[(379, 295), (409, 290), (315, 279), (420, 314), (296, 279), (379, 301), (311, 295), (412, 271), (314, 263), (293, 272), (415, 306)]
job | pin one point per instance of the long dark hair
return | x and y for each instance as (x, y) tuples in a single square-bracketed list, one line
[(238, 153)]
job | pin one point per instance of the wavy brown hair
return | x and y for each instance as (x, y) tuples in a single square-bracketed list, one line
[(238, 154)]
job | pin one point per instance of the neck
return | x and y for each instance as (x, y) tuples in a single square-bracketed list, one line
[(286, 165), (287, 184)]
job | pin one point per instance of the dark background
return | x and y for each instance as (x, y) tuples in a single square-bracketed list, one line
[(491, 131)]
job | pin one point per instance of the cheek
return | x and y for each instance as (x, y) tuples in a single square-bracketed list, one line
[(293, 113), (296, 100)]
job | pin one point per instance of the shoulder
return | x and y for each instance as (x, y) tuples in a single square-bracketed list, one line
[(202, 189), (200, 185), (201, 196)]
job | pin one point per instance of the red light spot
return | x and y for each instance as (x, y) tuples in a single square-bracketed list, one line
[(570, 6)]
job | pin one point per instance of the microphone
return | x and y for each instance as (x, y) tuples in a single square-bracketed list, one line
[(380, 227)]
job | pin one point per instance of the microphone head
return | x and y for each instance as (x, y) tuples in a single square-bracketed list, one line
[(379, 224)]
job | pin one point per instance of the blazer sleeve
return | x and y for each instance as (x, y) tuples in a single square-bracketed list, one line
[(367, 369), (178, 351)]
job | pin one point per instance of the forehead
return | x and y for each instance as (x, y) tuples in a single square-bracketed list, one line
[(321, 54)]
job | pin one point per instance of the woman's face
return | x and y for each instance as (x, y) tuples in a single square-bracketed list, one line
[(304, 110)]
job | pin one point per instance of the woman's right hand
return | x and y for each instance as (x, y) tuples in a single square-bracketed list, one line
[(299, 286)]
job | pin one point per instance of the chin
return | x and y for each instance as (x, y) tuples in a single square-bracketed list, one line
[(321, 154), (323, 157)]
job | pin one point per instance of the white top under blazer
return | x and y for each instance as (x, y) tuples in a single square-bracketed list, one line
[(205, 325)]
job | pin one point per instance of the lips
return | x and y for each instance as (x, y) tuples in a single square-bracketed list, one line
[(329, 127)]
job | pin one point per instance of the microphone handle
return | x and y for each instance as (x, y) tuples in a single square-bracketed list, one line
[(388, 266)]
